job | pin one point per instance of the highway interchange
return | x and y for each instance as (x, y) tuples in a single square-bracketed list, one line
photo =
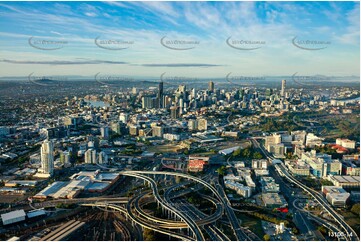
[(182, 220)]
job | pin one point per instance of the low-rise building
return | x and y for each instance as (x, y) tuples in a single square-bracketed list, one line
[(261, 172), (274, 200), (13, 217), (50, 190), (269, 185), (196, 163), (228, 151), (259, 164), (298, 167), (349, 144), (345, 181), (21, 183), (337, 196), (312, 140), (239, 188), (171, 137)]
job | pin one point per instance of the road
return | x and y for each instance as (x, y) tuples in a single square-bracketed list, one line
[(282, 170), (240, 235)]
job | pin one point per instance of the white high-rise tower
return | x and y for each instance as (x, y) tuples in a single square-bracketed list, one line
[(283, 88), (47, 157)]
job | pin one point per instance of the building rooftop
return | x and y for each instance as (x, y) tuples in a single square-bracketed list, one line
[(339, 197), (273, 199), (35, 213), (97, 186), (52, 189), (346, 179), (13, 214)]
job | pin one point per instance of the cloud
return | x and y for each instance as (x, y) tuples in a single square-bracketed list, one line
[(57, 62), (352, 34), (181, 65)]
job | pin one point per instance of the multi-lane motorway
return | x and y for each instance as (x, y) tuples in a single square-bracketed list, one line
[(218, 192)]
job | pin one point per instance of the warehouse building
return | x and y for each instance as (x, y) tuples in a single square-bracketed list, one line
[(13, 217), (345, 181), (50, 190)]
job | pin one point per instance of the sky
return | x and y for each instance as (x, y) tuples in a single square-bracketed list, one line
[(190, 39)]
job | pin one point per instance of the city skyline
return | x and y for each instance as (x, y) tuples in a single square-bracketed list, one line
[(180, 121), (140, 36)]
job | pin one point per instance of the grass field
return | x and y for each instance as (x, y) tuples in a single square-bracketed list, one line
[(168, 148)]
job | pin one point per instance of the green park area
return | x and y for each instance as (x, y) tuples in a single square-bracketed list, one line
[(167, 148)]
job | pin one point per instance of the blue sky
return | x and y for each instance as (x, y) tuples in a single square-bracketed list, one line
[(139, 27)]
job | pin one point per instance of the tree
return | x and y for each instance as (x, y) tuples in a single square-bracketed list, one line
[(221, 170), (257, 155), (322, 229), (295, 230), (326, 183), (246, 153), (148, 235), (237, 152), (266, 237), (289, 155), (356, 209)]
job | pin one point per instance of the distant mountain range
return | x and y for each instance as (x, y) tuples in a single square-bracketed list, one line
[(184, 79)]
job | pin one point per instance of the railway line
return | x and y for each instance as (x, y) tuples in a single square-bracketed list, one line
[(63, 231)]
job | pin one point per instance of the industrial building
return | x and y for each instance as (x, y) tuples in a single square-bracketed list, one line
[(90, 181), (13, 217), (229, 151), (50, 190), (345, 181), (21, 183), (35, 213)]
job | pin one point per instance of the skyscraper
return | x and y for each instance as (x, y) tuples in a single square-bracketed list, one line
[(102, 158), (104, 132), (211, 86), (90, 156), (283, 88), (174, 112), (160, 94), (149, 102), (47, 157)]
